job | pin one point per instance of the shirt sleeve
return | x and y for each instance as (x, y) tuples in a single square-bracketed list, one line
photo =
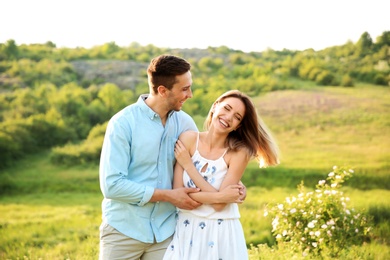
[(114, 161), (187, 123)]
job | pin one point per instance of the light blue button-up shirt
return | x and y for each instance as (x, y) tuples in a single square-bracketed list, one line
[(138, 157)]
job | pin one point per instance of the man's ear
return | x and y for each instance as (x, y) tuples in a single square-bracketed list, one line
[(162, 90)]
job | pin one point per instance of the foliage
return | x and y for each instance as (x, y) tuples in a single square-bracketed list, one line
[(54, 212), (86, 152), (366, 252), (319, 222), (57, 95)]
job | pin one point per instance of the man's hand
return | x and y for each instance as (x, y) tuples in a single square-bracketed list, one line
[(180, 198), (242, 191), (231, 194)]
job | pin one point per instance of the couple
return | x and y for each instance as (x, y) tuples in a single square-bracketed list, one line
[(138, 172)]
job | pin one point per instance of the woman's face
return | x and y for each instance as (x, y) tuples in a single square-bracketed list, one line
[(229, 113)]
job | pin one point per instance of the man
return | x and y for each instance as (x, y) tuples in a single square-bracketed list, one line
[(136, 166)]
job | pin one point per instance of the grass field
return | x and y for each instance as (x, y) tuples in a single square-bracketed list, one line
[(51, 212)]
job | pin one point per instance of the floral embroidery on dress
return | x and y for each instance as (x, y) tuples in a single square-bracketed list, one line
[(186, 222), (220, 221), (211, 244), (202, 224)]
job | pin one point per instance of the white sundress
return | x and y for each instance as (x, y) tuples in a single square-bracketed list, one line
[(203, 233)]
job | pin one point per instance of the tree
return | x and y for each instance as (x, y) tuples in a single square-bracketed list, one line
[(364, 44), (11, 50)]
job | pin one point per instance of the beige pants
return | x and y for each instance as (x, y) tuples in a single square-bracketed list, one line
[(115, 245)]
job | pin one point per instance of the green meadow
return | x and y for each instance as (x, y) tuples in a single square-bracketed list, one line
[(53, 212)]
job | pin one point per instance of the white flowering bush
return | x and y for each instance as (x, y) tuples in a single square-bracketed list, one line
[(319, 222)]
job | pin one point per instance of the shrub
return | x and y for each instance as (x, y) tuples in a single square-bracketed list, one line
[(319, 223)]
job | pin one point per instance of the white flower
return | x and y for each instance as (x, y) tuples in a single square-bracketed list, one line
[(310, 225), (321, 182), (324, 226), (292, 211), (278, 236), (275, 223), (347, 199), (329, 233), (303, 239), (317, 233), (331, 174), (348, 212), (311, 233), (330, 222), (334, 167), (338, 177), (334, 185), (280, 206), (356, 230), (350, 170), (284, 233), (314, 244)]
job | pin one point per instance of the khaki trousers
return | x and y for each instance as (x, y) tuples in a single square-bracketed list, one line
[(114, 246)]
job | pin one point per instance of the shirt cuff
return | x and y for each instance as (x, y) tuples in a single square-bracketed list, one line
[(147, 196)]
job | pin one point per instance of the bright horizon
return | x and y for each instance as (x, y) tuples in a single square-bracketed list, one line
[(249, 26)]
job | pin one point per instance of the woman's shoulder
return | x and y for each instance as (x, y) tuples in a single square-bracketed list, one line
[(239, 155), (189, 138)]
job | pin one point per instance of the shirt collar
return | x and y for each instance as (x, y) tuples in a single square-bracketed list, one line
[(146, 109)]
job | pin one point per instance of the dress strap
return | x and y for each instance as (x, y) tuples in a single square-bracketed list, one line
[(224, 153)]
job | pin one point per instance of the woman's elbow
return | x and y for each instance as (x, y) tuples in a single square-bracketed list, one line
[(219, 206)]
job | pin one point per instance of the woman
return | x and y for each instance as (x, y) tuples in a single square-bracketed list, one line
[(214, 161)]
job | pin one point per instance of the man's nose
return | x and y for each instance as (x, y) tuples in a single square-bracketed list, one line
[(189, 94)]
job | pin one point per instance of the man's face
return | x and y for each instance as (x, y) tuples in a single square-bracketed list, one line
[(180, 92)]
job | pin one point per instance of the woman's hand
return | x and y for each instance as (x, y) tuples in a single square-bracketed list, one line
[(182, 155), (231, 194)]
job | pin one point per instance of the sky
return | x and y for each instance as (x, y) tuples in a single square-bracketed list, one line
[(246, 25)]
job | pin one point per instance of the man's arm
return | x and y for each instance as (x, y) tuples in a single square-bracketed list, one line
[(178, 197)]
